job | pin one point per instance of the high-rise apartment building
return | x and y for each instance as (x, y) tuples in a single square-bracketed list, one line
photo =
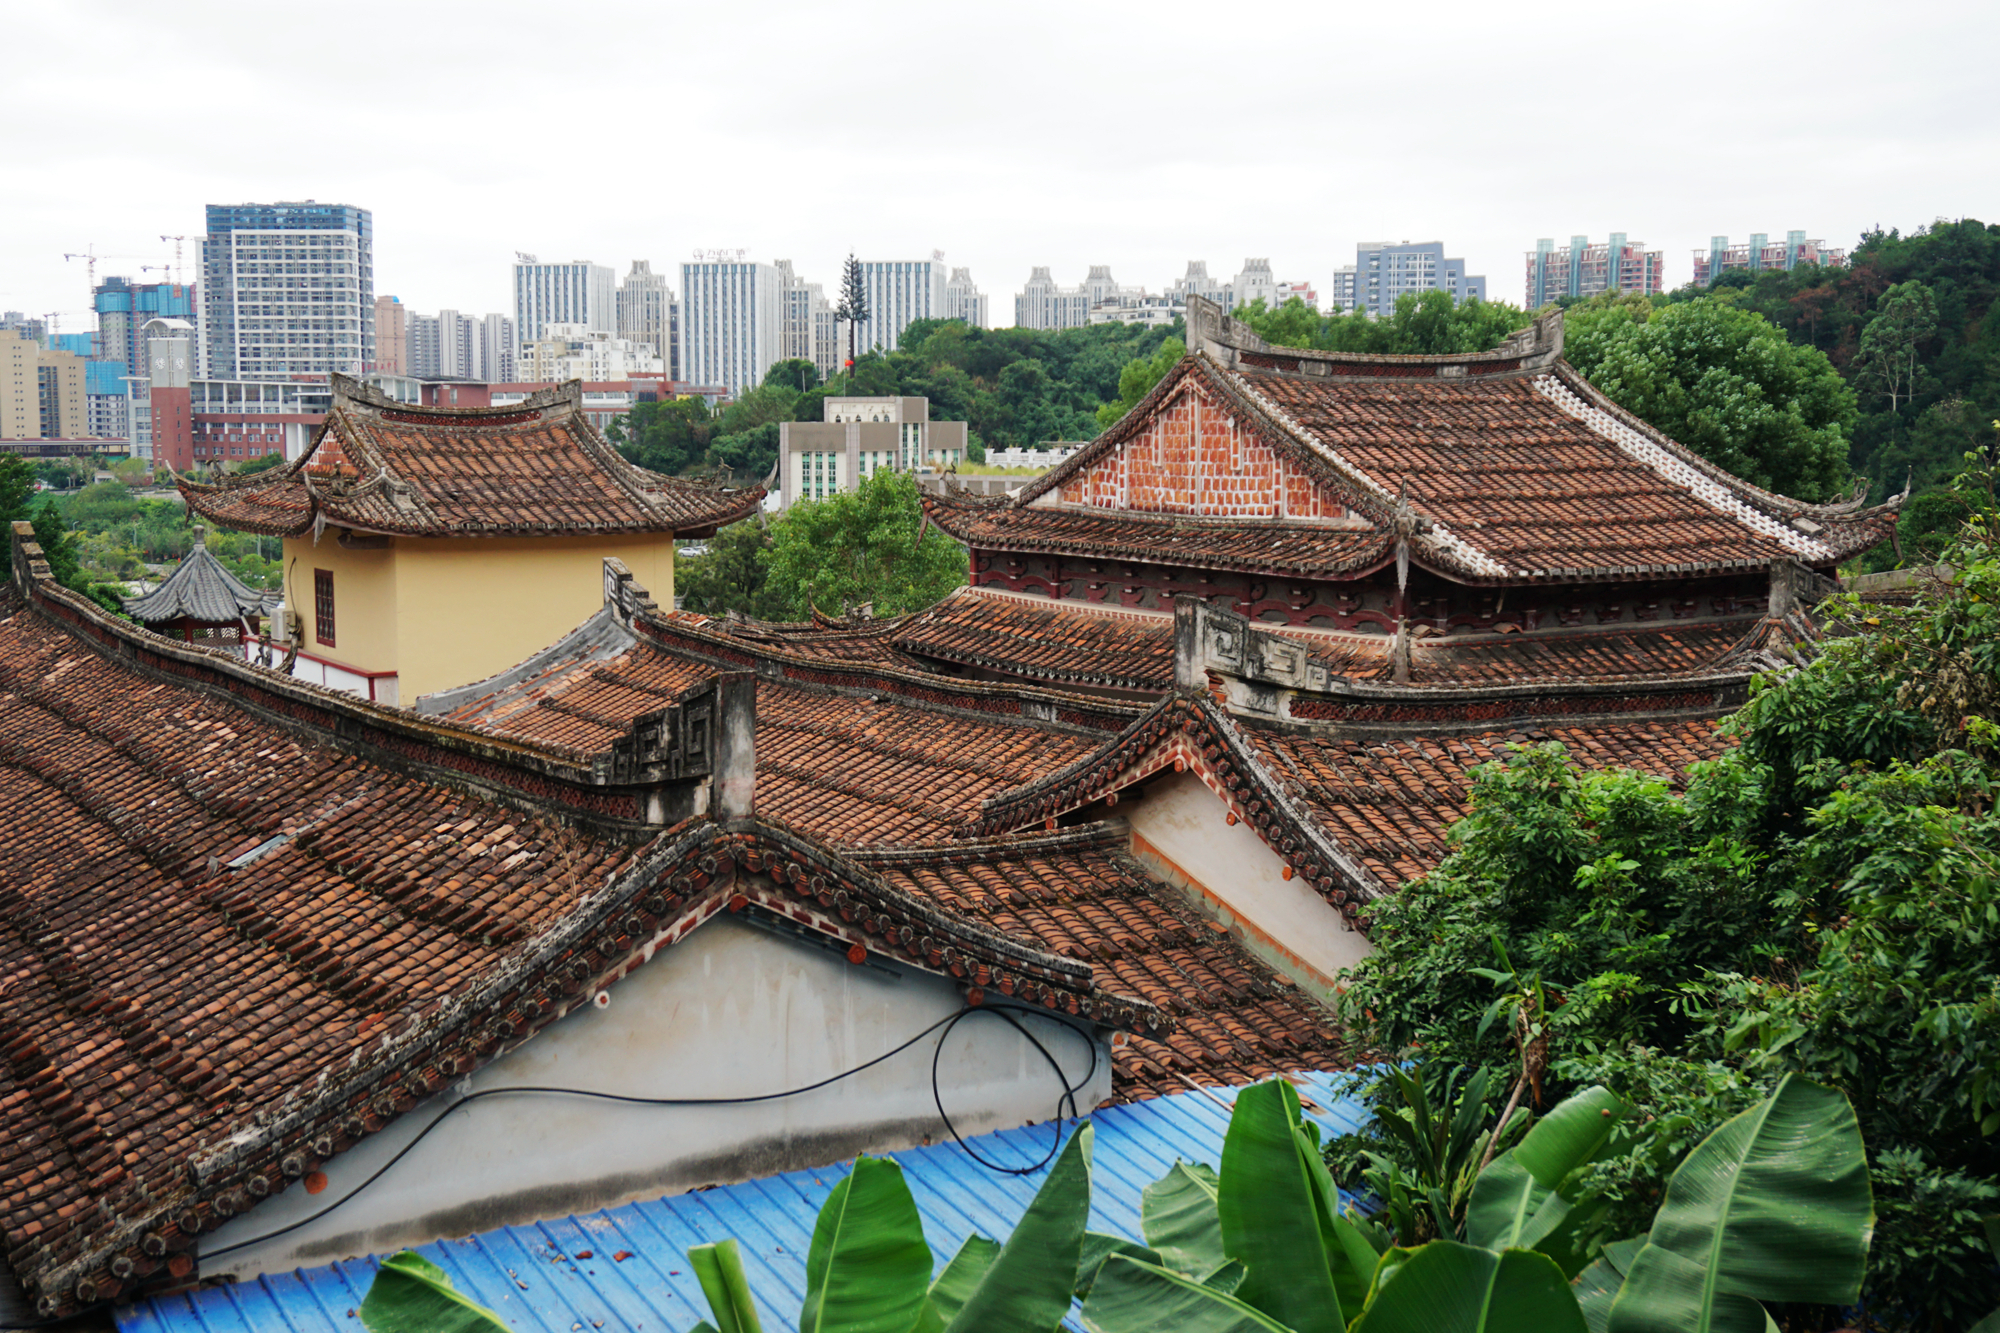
[(648, 312), (1041, 304), (499, 349), (572, 352), (807, 315), (963, 300), (425, 354), (1196, 282), (458, 347), (1584, 269), (392, 336), (1253, 282), (1758, 254), (732, 321), (287, 289), (899, 291), (1385, 270), (20, 390), (578, 292), (123, 309)]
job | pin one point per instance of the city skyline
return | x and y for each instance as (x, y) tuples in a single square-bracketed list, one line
[(1023, 188)]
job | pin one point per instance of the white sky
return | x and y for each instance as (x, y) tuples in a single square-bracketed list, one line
[(1007, 135)]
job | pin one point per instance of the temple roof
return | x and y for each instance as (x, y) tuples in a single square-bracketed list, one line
[(249, 921), (202, 590), (535, 468), (1503, 467)]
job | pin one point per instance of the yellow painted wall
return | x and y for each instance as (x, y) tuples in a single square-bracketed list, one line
[(443, 612), (364, 600), (468, 607)]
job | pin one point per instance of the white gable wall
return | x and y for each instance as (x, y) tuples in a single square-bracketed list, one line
[(730, 1011), (1182, 830)]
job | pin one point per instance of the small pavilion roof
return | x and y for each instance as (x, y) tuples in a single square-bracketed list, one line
[(533, 468), (201, 590)]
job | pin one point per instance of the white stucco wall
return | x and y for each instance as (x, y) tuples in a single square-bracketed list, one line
[(1183, 829), (729, 1011)]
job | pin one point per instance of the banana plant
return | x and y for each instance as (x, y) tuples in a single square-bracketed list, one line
[(869, 1268), (1773, 1206), (410, 1294)]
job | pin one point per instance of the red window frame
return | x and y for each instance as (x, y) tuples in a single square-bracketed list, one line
[(323, 607)]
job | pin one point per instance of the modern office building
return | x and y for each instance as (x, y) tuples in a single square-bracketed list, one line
[(287, 289), (1385, 270), (578, 292), (392, 336), (899, 291), (1041, 304), (1758, 254), (1583, 269), (424, 357), (857, 437), (963, 300), (732, 321), (648, 312)]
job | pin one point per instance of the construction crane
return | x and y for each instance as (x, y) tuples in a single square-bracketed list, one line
[(177, 252), (89, 256)]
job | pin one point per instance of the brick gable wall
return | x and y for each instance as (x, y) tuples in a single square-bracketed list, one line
[(1195, 458)]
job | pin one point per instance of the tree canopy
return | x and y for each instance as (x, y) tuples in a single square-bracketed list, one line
[(860, 547), (1723, 381)]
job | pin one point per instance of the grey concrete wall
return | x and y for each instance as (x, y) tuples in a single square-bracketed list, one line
[(730, 1011)]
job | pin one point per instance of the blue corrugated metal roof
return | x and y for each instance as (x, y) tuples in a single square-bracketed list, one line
[(536, 1278)]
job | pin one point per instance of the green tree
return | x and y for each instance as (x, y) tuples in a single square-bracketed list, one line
[(1726, 383), (261, 463), (862, 546), (17, 489), (793, 373), (1890, 361), (58, 546), (669, 437), (1138, 379), (853, 307), (731, 575)]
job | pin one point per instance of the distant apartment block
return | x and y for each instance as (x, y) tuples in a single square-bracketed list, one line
[(1041, 304), (810, 332), (425, 358), (1196, 282), (123, 309), (899, 291), (499, 348), (578, 292), (732, 321), (1583, 269), (1384, 270), (963, 300), (1758, 254), (1253, 282), (458, 346), (1137, 307), (648, 313), (573, 352), (858, 437), (392, 336), (287, 289)]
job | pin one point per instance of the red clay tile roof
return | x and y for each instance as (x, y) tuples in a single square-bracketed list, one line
[(1515, 466), (1279, 547), (533, 469), (1645, 651), (1080, 894)]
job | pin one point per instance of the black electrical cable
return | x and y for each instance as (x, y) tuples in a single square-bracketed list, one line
[(950, 1021), (1068, 1097)]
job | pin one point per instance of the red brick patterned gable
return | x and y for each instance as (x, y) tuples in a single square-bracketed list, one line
[(1196, 457)]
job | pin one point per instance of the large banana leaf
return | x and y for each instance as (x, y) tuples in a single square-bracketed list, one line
[(410, 1294), (956, 1283), (719, 1269), (1597, 1286), (1349, 1255), (1178, 1215), (869, 1268), (1098, 1247), (1132, 1296), (1773, 1206), (1027, 1286), (1446, 1287), (1270, 1217), (1515, 1202)]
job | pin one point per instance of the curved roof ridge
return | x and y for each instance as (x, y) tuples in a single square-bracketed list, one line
[(200, 588)]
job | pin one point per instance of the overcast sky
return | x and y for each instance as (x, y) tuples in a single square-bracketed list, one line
[(1006, 135)]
